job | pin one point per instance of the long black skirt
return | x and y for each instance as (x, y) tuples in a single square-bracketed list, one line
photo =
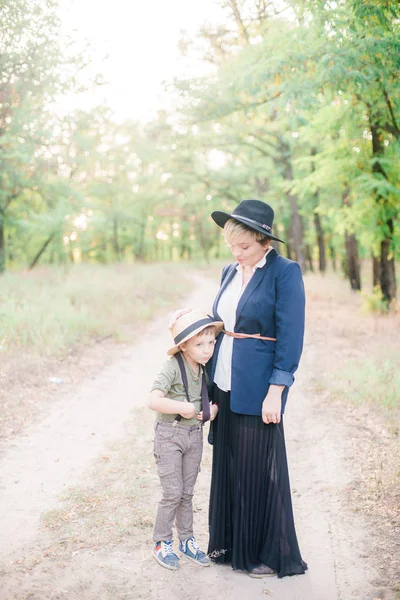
[(251, 516)]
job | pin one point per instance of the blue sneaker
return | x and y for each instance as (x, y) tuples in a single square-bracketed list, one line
[(190, 549), (164, 554)]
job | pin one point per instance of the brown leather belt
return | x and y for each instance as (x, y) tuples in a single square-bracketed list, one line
[(240, 336)]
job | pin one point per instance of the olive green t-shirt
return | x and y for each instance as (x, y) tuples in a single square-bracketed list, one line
[(169, 381)]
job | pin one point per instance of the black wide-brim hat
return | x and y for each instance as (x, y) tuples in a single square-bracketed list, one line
[(255, 214)]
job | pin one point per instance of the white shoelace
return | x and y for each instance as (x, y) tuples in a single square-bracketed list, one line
[(167, 548), (195, 546)]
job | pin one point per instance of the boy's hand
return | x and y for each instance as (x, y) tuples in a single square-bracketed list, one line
[(188, 410), (213, 413)]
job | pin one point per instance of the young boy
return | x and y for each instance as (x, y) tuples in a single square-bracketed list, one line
[(178, 439)]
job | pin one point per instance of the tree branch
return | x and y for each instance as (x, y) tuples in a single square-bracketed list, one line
[(390, 107), (9, 200), (261, 139), (390, 129), (255, 147), (239, 20)]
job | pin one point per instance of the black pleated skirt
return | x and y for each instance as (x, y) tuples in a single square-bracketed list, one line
[(251, 516)]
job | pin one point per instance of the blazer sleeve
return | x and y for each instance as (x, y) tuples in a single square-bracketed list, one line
[(289, 319)]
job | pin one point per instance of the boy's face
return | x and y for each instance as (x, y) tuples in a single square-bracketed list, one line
[(200, 348)]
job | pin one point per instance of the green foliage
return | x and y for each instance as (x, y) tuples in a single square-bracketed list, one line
[(301, 109), (34, 61)]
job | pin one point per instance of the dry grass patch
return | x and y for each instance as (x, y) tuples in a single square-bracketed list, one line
[(356, 365), (58, 326), (114, 506), (47, 311), (117, 503)]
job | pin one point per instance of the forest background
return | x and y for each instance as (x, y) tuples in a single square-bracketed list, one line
[(300, 108)]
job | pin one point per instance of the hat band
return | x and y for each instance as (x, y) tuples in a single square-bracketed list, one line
[(263, 225), (181, 336)]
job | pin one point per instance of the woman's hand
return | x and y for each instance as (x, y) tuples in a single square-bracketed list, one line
[(175, 316), (213, 411), (272, 405)]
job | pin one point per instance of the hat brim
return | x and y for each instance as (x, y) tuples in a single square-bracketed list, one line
[(220, 218), (217, 324)]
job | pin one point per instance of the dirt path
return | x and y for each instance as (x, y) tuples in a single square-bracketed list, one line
[(60, 450)]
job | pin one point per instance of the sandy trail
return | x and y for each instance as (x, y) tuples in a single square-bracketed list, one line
[(58, 452)]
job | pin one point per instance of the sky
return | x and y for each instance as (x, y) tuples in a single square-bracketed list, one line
[(139, 38)]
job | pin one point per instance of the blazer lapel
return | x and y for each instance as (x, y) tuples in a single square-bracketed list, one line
[(228, 278), (255, 282)]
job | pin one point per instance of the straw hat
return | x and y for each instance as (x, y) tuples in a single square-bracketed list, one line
[(189, 325)]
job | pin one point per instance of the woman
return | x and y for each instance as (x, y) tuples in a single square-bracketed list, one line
[(261, 298), (261, 302)]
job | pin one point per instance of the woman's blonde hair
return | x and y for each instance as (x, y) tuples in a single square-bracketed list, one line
[(234, 229)]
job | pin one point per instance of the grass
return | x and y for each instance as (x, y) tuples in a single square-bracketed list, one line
[(115, 505), (358, 361), (374, 381), (52, 320), (118, 501), (48, 310), (356, 365)]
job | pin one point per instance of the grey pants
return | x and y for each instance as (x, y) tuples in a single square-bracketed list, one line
[(177, 450)]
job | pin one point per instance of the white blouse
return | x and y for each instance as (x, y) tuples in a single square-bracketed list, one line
[(226, 308)]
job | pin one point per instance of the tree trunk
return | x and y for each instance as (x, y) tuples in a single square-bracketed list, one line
[(42, 249), (117, 249), (318, 225), (184, 237), (203, 239), (309, 258), (376, 271), (262, 186), (217, 243), (2, 246), (297, 233), (139, 246), (387, 276), (3, 210), (288, 247), (320, 242), (353, 263), (332, 252), (296, 223)]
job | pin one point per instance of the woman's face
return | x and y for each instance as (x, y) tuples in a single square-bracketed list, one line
[(245, 250)]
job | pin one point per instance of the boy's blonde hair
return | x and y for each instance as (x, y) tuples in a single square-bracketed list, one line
[(209, 329), (233, 229)]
